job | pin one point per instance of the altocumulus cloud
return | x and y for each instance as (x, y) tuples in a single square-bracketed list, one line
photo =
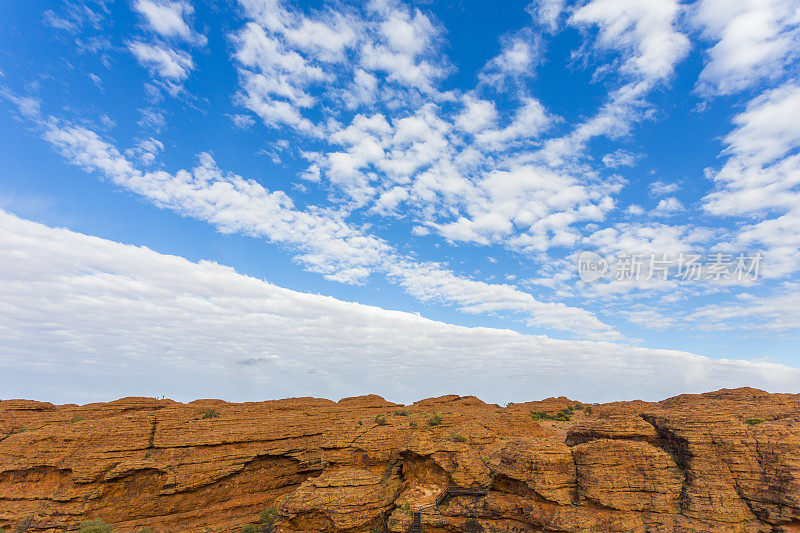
[(83, 318)]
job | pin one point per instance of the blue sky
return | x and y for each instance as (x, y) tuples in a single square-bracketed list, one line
[(446, 160)]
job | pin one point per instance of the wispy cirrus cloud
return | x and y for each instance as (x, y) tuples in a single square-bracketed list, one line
[(168, 19), (165, 50), (167, 63)]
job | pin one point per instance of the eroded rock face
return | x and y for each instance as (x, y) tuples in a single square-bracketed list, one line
[(688, 463)]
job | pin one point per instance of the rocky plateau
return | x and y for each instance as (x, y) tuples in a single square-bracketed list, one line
[(721, 461)]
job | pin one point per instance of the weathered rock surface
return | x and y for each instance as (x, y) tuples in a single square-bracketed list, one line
[(688, 463)]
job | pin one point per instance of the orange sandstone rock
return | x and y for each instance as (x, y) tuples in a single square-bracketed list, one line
[(688, 463)]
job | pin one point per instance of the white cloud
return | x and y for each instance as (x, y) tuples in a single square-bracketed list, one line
[(322, 240), (389, 201), (647, 238), (131, 321), (230, 202), (645, 31), (774, 313), (420, 231), (163, 52), (74, 17), (434, 161), (152, 118), (624, 107), (777, 237), (529, 121), (28, 106), (535, 201), (762, 177), (241, 122), (400, 47), (96, 80), (668, 207), (767, 129), (620, 158), (170, 64), (60, 23), (274, 78), (385, 50), (662, 188), (547, 12), (763, 170), (432, 282), (363, 90), (146, 151), (754, 40), (634, 210), (520, 53), (477, 115), (167, 18), (646, 35), (650, 318)]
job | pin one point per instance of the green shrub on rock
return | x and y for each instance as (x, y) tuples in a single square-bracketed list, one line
[(95, 526), (435, 420)]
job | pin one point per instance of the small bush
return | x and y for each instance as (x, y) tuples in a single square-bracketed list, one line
[(753, 421), (269, 515), (77, 418), (210, 413), (587, 409), (402, 412), (435, 420), (249, 528), (579, 406), (459, 438), (412, 424), (562, 416), (145, 530), (380, 420), (95, 526)]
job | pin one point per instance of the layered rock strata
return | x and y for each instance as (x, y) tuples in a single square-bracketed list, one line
[(722, 461)]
